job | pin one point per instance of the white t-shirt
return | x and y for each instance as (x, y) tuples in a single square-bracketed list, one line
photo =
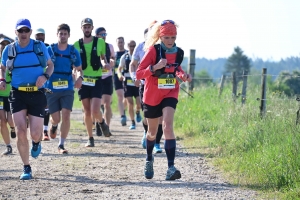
[(139, 52)]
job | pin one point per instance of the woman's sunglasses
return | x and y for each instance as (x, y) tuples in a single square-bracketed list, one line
[(167, 21)]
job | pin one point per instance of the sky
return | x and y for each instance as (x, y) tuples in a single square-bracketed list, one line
[(267, 29)]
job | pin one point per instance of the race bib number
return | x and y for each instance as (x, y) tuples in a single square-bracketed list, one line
[(105, 72), (89, 81), (28, 88), (129, 82), (62, 84), (166, 83), (1, 104)]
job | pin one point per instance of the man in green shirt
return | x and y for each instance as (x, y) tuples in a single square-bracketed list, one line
[(92, 53)]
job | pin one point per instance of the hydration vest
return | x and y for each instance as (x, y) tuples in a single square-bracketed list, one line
[(161, 53), (127, 62), (95, 59), (108, 53), (37, 49)]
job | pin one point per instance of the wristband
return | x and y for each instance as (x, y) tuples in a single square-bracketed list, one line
[(3, 79), (46, 76), (119, 74), (151, 69), (81, 77), (133, 75)]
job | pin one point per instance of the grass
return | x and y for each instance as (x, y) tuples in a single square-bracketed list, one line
[(254, 152)]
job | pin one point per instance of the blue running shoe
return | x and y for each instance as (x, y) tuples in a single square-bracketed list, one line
[(143, 141), (173, 173), (157, 148), (26, 173), (149, 173), (123, 120), (138, 117), (36, 149), (132, 127)]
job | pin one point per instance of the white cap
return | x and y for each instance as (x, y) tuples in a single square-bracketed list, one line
[(40, 30)]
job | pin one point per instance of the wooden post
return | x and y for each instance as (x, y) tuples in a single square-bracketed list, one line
[(263, 92), (244, 89), (222, 84), (191, 69), (234, 86)]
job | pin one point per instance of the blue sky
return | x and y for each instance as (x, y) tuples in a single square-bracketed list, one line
[(268, 29)]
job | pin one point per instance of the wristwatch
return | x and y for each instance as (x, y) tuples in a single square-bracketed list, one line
[(46, 76)]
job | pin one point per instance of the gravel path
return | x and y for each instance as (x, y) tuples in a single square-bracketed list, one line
[(113, 169)]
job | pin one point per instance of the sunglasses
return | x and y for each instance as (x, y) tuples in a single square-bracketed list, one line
[(103, 34), (25, 30), (167, 21)]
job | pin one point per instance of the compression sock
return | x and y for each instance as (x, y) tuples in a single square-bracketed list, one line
[(159, 133), (150, 146), (170, 147)]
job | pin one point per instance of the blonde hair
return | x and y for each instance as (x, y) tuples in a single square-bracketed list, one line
[(153, 35)]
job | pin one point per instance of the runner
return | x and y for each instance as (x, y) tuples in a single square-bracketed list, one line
[(5, 114), (160, 67), (107, 80), (60, 102), (92, 53), (40, 35), (129, 87), (27, 61), (119, 84), (138, 54)]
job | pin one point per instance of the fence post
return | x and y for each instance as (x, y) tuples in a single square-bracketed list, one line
[(234, 86), (263, 92), (222, 84), (244, 89), (191, 69)]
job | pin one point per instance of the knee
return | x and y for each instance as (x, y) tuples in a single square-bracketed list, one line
[(167, 128)]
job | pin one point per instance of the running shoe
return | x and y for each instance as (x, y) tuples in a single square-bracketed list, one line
[(132, 127), (90, 143), (143, 141), (138, 117), (105, 129), (123, 120), (45, 136), (62, 150), (148, 172), (173, 173), (157, 148), (13, 133), (7, 151), (26, 173), (53, 131), (36, 149), (98, 130)]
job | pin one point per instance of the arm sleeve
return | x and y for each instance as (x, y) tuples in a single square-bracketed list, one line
[(149, 58), (78, 59)]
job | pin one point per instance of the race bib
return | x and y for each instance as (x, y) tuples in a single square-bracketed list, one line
[(166, 83), (105, 72), (61, 84), (89, 81), (1, 104), (129, 82), (28, 88)]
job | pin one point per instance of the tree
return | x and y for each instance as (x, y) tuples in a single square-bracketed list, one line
[(238, 62)]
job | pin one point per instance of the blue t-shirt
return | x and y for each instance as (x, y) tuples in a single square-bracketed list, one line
[(28, 72), (61, 78)]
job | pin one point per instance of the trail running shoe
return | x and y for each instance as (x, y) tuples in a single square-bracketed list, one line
[(26, 174), (62, 150), (138, 117), (45, 136), (53, 131), (132, 127), (90, 143), (173, 173), (7, 151), (98, 130), (157, 148), (105, 129), (123, 120), (143, 141), (36, 149), (148, 172), (13, 133)]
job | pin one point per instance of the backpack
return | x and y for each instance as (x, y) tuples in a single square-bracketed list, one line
[(160, 53), (72, 56), (95, 59), (127, 61), (37, 49)]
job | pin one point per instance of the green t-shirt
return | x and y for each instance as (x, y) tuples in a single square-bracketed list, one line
[(5, 93), (89, 71)]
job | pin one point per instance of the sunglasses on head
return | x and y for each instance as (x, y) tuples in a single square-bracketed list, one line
[(102, 34), (167, 21), (26, 30)]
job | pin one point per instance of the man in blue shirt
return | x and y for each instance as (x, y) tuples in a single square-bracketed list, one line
[(60, 102), (27, 62)]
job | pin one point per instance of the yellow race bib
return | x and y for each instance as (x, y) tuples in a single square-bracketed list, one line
[(89, 81), (61, 84), (28, 88), (166, 83)]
